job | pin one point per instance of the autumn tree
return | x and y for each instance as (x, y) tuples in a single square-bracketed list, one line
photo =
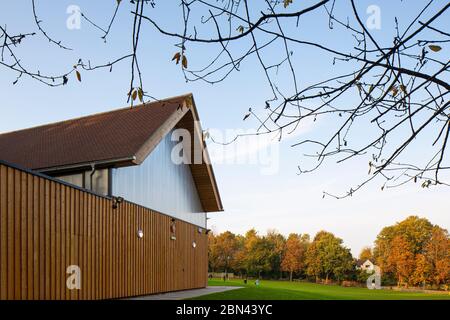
[(422, 271), (411, 252), (327, 258), (366, 254), (259, 254), (417, 231), (414, 230), (414, 251), (213, 255), (401, 259), (255, 253), (277, 244), (239, 263), (222, 251), (437, 254), (294, 258)]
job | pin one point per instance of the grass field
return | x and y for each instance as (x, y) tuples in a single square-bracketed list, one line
[(284, 290)]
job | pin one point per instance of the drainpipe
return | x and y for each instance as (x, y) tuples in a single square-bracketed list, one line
[(91, 175)]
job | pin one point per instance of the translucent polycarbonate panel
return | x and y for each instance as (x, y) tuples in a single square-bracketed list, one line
[(75, 179), (160, 184), (83, 180), (99, 181)]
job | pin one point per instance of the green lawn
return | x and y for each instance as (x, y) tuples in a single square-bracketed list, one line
[(284, 290)]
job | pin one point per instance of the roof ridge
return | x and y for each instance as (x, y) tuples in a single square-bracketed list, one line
[(97, 114)]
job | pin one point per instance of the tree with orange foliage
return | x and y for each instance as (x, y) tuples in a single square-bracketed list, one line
[(437, 253), (423, 251), (294, 257), (366, 254), (401, 259), (421, 274), (222, 251), (213, 259)]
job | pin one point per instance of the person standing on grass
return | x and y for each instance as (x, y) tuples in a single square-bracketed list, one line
[(257, 282)]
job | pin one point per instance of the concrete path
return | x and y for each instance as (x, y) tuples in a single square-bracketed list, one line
[(186, 294)]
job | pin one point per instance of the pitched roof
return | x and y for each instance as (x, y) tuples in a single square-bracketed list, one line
[(361, 262), (104, 136), (121, 137)]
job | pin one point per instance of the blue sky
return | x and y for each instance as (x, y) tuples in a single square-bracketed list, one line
[(284, 201)]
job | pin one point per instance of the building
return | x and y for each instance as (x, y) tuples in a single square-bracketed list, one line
[(149, 161), (367, 266)]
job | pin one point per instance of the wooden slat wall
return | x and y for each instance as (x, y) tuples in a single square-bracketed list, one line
[(45, 226)]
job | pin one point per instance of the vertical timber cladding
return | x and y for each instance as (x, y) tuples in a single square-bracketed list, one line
[(46, 226)]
